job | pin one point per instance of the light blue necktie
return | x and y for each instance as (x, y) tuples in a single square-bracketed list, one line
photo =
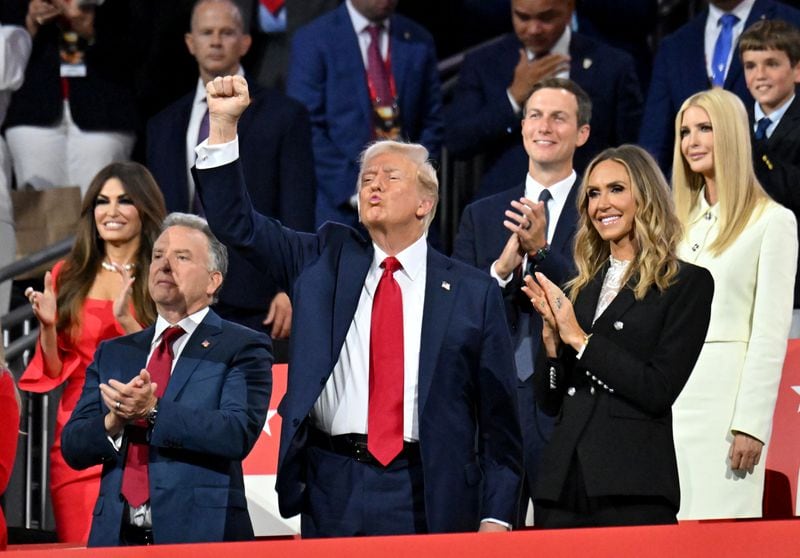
[(761, 128), (722, 49)]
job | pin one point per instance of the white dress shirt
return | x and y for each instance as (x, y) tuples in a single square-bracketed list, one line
[(775, 116), (141, 516), (560, 192), (360, 24), (199, 108), (342, 407)]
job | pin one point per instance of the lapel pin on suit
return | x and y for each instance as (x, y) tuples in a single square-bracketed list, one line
[(446, 285), (587, 63), (618, 325), (205, 343)]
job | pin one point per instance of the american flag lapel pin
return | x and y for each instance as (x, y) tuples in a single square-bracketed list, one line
[(205, 343), (446, 285)]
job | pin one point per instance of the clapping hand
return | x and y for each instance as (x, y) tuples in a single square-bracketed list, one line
[(43, 302)]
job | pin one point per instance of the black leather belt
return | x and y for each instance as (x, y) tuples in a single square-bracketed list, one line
[(354, 446), (131, 535)]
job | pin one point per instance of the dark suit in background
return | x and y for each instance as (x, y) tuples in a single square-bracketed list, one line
[(275, 153), (327, 75), (613, 428), (268, 58), (481, 120), (679, 70), (777, 165), (209, 418)]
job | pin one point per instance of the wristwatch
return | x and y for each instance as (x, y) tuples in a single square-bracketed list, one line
[(152, 414), (541, 254)]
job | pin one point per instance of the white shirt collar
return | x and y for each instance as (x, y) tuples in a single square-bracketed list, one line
[(561, 46), (775, 115), (200, 90), (360, 23), (559, 190), (742, 11), (188, 324), (412, 259)]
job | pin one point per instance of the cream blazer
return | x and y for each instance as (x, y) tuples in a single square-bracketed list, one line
[(753, 297)]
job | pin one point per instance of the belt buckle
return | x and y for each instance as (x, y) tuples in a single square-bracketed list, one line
[(361, 453)]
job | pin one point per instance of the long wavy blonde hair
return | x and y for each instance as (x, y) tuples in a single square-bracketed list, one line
[(738, 190), (657, 230)]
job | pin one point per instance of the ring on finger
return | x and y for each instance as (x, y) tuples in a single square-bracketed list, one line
[(119, 404)]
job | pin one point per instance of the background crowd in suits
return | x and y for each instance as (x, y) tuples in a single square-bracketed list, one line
[(310, 101)]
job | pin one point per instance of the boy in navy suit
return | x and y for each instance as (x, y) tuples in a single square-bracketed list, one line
[(770, 53)]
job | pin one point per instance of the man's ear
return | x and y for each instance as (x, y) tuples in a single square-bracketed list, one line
[(188, 38), (583, 135), (214, 283), (424, 207), (244, 46)]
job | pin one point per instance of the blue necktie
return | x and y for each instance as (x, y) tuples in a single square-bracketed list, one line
[(722, 49), (761, 128)]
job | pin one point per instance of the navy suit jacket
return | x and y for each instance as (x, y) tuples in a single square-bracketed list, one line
[(327, 75), (209, 418), (613, 407), (482, 236), (777, 164), (276, 157), (468, 429), (679, 71), (480, 119)]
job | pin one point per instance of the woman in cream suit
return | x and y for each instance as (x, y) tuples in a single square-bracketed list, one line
[(723, 417)]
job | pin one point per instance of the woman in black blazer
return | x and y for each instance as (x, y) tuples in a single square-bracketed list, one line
[(619, 349)]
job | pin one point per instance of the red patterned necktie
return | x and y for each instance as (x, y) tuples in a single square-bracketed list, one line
[(385, 414), (135, 479), (376, 68), (274, 6)]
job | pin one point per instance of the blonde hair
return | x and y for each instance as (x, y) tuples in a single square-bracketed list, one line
[(427, 180), (657, 230), (738, 190)]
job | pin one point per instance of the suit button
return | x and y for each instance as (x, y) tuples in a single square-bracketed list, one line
[(571, 391), (591, 390)]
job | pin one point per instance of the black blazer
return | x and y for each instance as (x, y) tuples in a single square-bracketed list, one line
[(777, 164), (613, 406), (105, 99)]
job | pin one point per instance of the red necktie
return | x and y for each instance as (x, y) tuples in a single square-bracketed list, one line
[(274, 6), (376, 69), (385, 414), (135, 479)]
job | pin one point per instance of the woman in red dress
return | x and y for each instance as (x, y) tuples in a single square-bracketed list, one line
[(87, 298), (9, 431)]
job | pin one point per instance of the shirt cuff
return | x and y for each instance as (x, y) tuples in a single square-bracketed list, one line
[(116, 441), (500, 280), (217, 155), (497, 522)]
